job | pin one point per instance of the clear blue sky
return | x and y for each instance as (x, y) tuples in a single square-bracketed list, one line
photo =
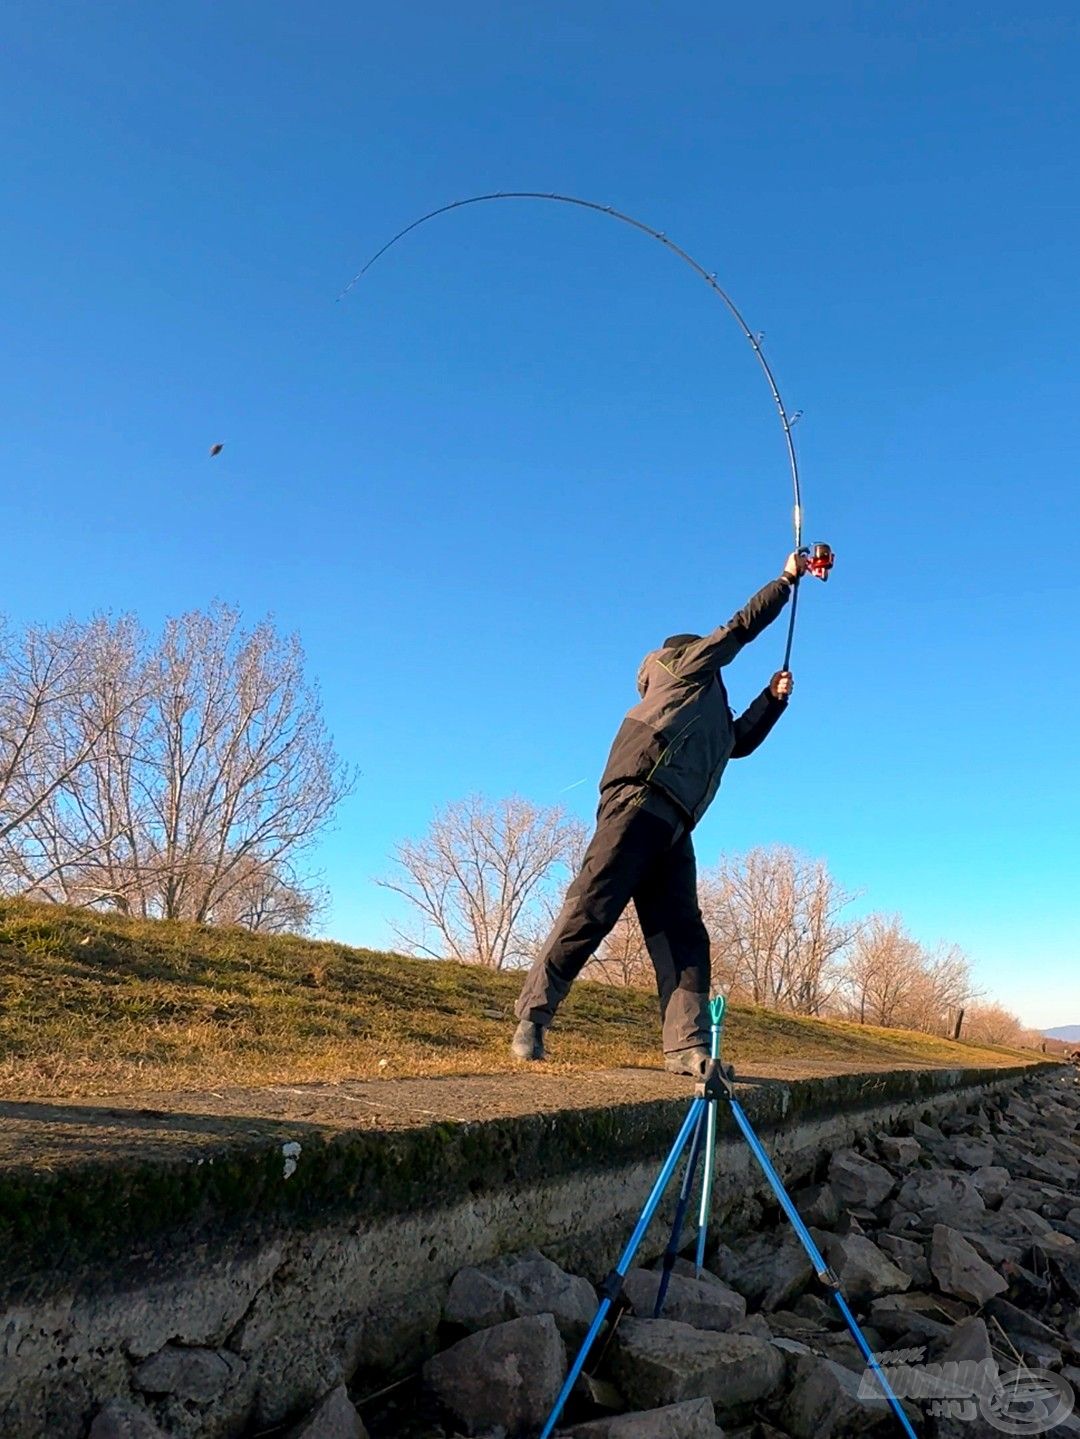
[(532, 444)]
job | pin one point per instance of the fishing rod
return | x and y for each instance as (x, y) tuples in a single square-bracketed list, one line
[(819, 557)]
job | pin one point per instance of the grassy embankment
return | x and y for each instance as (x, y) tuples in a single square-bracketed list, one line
[(99, 1004)]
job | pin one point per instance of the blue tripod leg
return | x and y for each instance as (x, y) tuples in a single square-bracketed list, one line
[(680, 1210), (824, 1273), (612, 1285)]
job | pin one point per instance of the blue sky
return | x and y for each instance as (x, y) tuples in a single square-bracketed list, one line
[(531, 444)]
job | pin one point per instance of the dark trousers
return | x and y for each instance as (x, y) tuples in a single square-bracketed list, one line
[(641, 851)]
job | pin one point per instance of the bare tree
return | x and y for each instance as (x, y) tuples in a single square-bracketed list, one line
[(776, 923), (882, 972), (942, 988), (479, 877), (57, 706), (993, 1024), (203, 771)]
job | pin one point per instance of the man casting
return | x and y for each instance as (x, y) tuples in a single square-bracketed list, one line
[(661, 776)]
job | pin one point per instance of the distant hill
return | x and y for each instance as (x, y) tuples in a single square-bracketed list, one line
[(1064, 1031)]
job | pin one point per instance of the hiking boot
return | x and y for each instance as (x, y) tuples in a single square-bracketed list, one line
[(528, 1041), (693, 1062)]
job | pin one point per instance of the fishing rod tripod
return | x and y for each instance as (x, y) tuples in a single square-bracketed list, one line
[(718, 1086)]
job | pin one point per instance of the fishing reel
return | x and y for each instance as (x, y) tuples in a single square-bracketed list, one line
[(819, 560)]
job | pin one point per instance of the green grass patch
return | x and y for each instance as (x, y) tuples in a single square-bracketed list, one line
[(95, 1003)]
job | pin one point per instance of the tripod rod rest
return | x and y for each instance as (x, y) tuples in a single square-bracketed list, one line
[(719, 1082)]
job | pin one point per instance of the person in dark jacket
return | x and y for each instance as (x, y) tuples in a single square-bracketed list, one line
[(662, 774)]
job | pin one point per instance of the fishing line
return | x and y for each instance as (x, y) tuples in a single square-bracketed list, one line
[(787, 420)]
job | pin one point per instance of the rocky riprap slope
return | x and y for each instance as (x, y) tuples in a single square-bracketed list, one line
[(955, 1244)]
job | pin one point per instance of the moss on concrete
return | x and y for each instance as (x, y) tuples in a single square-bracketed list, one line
[(110, 1218)]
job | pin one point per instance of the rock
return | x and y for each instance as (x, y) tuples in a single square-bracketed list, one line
[(919, 1315), (660, 1361), (928, 1190), (1018, 1322), (706, 1303), (824, 1400), (909, 1256), (766, 1273), (992, 1181), (859, 1183), (786, 1324), (334, 1418), (1027, 1286), (517, 1287), (194, 1376), (995, 1251), (972, 1153), (969, 1342), (959, 1270), (1066, 1267), (509, 1374), (863, 1270), (818, 1311), (696, 1419), (903, 1150), (817, 1204), (1023, 1219), (120, 1419), (755, 1324)]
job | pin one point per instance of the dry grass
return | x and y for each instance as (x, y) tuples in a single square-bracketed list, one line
[(98, 1004)]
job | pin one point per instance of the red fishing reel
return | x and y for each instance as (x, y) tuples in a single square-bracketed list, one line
[(819, 560)]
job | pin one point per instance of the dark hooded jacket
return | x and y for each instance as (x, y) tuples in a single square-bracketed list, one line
[(680, 736)]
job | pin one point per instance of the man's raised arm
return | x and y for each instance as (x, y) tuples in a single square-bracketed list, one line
[(705, 656)]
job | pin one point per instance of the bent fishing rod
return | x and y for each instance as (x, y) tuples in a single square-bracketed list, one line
[(819, 557)]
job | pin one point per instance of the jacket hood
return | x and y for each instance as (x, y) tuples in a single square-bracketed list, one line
[(673, 642), (643, 672)]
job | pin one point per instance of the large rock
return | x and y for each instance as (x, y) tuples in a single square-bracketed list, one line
[(509, 1374), (908, 1255), (194, 1376), (1019, 1322), (972, 1153), (992, 1181), (696, 1419), (517, 1287), (120, 1419), (767, 1273), (705, 1302), (969, 1343), (903, 1150), (863, 1270), (959, 1270), (918, 1315), (929, 1190), (817, 1204), (660, 1361), (857, 1182), (334, 1418), (824, 1400)]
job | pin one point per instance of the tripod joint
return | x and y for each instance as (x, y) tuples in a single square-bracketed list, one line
[(611, 1288), (719, 1082)]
